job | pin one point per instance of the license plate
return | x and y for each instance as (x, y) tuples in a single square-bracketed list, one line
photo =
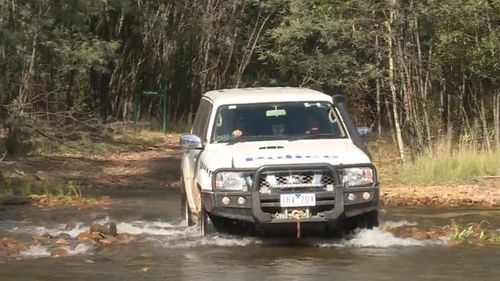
[(298, 200)]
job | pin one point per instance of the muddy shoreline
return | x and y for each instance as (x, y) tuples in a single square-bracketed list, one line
[(478, 196)]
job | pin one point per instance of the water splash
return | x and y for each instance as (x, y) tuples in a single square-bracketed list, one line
[(38, 251), (178, 235), (378, 238), (51, 231), (150, 228)]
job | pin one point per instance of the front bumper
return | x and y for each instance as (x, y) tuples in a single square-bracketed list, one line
[(331, 206)]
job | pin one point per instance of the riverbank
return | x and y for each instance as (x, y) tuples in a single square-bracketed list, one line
[(118, 158), (485, 195), (146, 160), (443, 178)]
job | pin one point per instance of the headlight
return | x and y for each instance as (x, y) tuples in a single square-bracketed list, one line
[(232, 181), (357, 176)]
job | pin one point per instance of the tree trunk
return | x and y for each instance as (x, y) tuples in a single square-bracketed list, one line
[(377, 86), (482, 116), (496, 117), (392, 85)]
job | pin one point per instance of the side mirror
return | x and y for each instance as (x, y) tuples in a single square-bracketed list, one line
[(364, 132), (191, 142)]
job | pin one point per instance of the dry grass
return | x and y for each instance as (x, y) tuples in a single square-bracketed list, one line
[(458, 165), (441, 164), (100, 140)]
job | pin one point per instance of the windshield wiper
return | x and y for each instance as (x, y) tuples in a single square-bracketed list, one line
[(312, 136)]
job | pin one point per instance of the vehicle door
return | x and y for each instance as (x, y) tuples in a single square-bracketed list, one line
[(189, 162)]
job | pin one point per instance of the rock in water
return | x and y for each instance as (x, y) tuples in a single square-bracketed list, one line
[(84, 236), (124, 238), (37, 239), (109, 229), (61, 241), (453, 243), (420, 235), (70, 226), (108, 240), (58, 252), (64, 236), (95, 227), (12, 246)]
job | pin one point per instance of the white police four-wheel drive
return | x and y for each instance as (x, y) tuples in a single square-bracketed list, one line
[(285, 159)]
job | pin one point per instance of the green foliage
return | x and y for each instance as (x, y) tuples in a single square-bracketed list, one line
[(62, 62), (323, 45), (479, 231)]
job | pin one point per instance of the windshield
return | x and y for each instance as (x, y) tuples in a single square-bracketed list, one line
[(277, 121)]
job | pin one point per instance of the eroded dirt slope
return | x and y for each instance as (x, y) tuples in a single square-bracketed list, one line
[(142, 166)]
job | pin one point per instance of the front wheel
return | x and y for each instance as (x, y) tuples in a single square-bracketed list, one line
[(186, 214), (364, 221), (185, 211), (206, 224)]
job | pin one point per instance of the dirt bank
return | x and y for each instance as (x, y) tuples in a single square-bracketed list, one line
[(486, 194), (157, 165), (140, 166)]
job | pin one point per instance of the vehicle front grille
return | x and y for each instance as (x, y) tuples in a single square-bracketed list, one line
[(290, 181)]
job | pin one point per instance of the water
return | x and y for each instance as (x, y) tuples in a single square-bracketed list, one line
[(166, 249)]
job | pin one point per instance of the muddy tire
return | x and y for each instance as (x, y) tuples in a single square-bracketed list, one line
[(364, 221)]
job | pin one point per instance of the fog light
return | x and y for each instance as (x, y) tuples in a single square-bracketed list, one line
[(225, 200), (242, 200), (351, 197), (366, 195)]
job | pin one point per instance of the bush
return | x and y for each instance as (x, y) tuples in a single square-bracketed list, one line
[(18, 136)]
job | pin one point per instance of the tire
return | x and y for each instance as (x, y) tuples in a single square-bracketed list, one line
[(370, 220), (206, 225), (364, 221), (185, 210)]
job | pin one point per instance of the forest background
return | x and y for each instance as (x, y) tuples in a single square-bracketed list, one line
[(424, 74)]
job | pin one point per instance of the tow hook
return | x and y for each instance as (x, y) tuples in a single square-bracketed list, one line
[(297, 214)]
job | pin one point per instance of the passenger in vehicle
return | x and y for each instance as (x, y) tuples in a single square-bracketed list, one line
[(312, 126)]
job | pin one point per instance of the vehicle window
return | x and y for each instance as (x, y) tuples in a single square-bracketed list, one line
[(277, 121), (206, 121), (200, 124)]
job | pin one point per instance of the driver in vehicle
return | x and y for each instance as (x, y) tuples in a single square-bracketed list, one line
[(239, 128)]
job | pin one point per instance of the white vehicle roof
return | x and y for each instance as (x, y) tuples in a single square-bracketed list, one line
[(263, 95)]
